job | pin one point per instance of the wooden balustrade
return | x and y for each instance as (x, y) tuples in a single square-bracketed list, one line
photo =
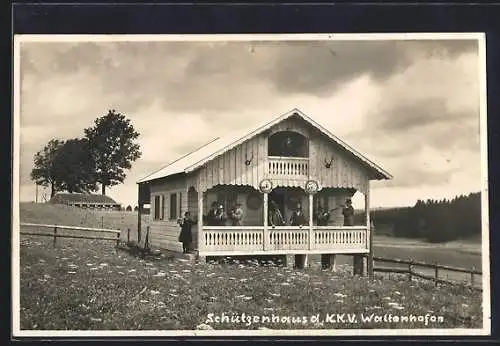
[(242, 239), (288, 166)]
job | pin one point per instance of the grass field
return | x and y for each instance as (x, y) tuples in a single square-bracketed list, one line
[(89, 285)]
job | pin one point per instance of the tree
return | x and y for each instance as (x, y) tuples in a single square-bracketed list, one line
[(44, 173), (74, 167), (111, 143)]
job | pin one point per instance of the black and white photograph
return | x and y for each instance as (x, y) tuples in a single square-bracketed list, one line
[(263, 184)]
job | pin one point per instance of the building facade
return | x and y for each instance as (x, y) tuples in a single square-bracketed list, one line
[(280, 164)]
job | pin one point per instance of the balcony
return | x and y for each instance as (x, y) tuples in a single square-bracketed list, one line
[(241, 240), (288, 167)]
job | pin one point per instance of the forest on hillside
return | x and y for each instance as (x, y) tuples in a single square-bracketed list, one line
[(434, 220)]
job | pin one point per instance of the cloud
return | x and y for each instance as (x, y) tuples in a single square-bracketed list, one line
[(411, 106)]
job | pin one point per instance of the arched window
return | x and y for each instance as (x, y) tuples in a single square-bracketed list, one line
[(288, 144)]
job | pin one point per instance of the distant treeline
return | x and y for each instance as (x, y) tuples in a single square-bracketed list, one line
[(435, 220)]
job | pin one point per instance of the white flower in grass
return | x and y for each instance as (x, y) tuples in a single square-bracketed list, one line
[(285, 284), (96, 319), (340, 295), (243, 280), (340, 301), (103, 264), (121, 273), (204, 326), (387, 298), (71, 272), (465, 305), (160, 274), (247, 298), (144, 301), (172, 271), (399, 307), (232, 278), (275, 294), (131, 270), (94, 268), (393, 304), (173, 295), (240, 296), (154, 292), (186, 271)]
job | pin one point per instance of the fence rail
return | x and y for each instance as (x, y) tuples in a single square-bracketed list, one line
[(56, 228), (412, 273)]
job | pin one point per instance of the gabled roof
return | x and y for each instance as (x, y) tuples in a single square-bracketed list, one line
[(219, 146)]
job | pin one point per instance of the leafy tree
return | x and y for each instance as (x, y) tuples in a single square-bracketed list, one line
[(44, 173), (129, 208), (74, 167), (111, 143)]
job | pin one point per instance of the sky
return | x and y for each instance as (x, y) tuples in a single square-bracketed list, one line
[(411, 106)]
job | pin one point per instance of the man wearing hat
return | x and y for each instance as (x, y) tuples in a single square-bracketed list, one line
[(348, 212)]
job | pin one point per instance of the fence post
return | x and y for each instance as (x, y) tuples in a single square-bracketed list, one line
[(436, 273), (410, 266), (128, 235), (472, 276), (146, 240), (118, 239), (55, 236)]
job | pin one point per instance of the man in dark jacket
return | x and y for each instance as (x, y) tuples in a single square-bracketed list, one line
[(348, 212), (298, 218)]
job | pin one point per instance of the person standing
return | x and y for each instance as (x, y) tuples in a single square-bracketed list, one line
[(186, 235), (220, 216), (348, 212), (275, 218), (298, 218), (237, 215)]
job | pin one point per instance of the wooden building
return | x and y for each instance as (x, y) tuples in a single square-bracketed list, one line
[(85, 200), (286, 161)]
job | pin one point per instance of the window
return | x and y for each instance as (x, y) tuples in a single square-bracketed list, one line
[(162, 212), (288, 144), (157, 208), (180, 204), (173, 206)]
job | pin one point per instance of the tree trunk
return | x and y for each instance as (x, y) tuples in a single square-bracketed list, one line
[(103, 189), (52, 189)]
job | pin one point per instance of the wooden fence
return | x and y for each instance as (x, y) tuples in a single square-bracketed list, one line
[(410, 265), (55, 234)]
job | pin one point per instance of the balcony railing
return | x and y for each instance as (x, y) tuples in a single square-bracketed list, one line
[(288, 166), (243, 240)]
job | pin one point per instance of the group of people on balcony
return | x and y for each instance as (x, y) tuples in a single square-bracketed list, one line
[(218, 217), (322, 216)]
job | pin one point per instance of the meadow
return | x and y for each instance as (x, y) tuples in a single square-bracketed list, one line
[(92, 285)]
